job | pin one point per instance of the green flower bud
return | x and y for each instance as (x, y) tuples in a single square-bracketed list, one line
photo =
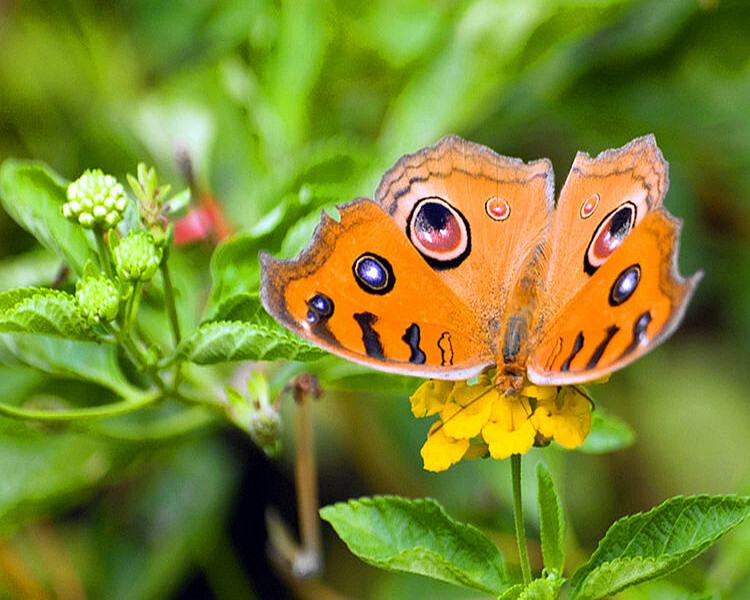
[(95, 200), (98, 298), (137, 257), (264, 428)]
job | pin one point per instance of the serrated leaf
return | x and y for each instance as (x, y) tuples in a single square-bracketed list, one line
[(244, 331), (552, 522), (416, 536), (647, 545), (243, 306), (222, 341), (33, 195), (609, 433), (512, 593), (544, 588), (43, 311)]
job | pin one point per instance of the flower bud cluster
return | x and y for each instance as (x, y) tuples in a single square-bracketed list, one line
[(95, 200), (98, 298), (137, 257)]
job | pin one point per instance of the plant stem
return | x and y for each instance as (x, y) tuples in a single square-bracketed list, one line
[(101, 246), (523, 554), (169, 300), (76, 414)]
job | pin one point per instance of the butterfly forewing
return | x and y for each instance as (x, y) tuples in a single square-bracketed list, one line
[(361, 291), (603, 200), (501, 206)]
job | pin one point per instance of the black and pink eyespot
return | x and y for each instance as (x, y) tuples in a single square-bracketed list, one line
[(611, 232), (439, 232)]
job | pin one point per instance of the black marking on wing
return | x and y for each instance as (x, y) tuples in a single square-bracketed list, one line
[(639, 333), (411, 337), (405, 190), (577, 345), (597, 355), (555, 353), (370, 337), (446, 349)]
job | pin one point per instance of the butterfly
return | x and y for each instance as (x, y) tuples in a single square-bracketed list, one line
[(464, 261)]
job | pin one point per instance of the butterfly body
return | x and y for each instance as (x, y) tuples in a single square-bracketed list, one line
[(464, 260)]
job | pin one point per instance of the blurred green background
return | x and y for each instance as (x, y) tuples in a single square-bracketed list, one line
[(313, 100)]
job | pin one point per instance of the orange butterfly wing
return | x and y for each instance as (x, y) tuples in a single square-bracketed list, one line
[(461, 262), (505, 204), (612, 291), (618, 187), (361, 290)]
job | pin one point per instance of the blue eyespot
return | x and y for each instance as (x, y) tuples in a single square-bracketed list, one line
[(319, 307), (373, 273), (625, 285)]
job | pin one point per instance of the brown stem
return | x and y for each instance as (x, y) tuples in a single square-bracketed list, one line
[(303, 559), (16, 575)]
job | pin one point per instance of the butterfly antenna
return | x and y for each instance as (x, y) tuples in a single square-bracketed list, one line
[(583, 393), (472, 401)]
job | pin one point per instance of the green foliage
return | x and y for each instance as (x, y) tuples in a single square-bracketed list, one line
[(608, 433), (275, 111), (252, 335), (418, 537), (649, 545), (33, 195), (544, 588), (44, 311), (551, 520)]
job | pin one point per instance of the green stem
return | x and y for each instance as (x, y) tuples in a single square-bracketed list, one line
[(135, 301), (177, 424), (523, 554), (101, 246), (94, 412), (169, 300)]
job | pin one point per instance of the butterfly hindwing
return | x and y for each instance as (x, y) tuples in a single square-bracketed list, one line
[(629, 305)]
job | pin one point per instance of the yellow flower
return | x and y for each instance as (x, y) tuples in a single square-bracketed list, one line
[(477, 419), (440, 451)]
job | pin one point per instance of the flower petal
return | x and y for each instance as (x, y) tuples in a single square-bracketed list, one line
[(441, 451), (430, 397), (502, 443), (471, 409)]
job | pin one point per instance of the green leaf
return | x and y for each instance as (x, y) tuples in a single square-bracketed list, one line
[(234, 269), (183, 521), (45, 469), (416, 536), (243, 306), (67, 358), (512, 593), (544, 588), (33, 195), (43, 311), (609, 433), (647, 545), (252, 334), (551, 519)]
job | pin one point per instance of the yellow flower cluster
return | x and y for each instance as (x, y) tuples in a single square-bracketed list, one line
[(477, 419)]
